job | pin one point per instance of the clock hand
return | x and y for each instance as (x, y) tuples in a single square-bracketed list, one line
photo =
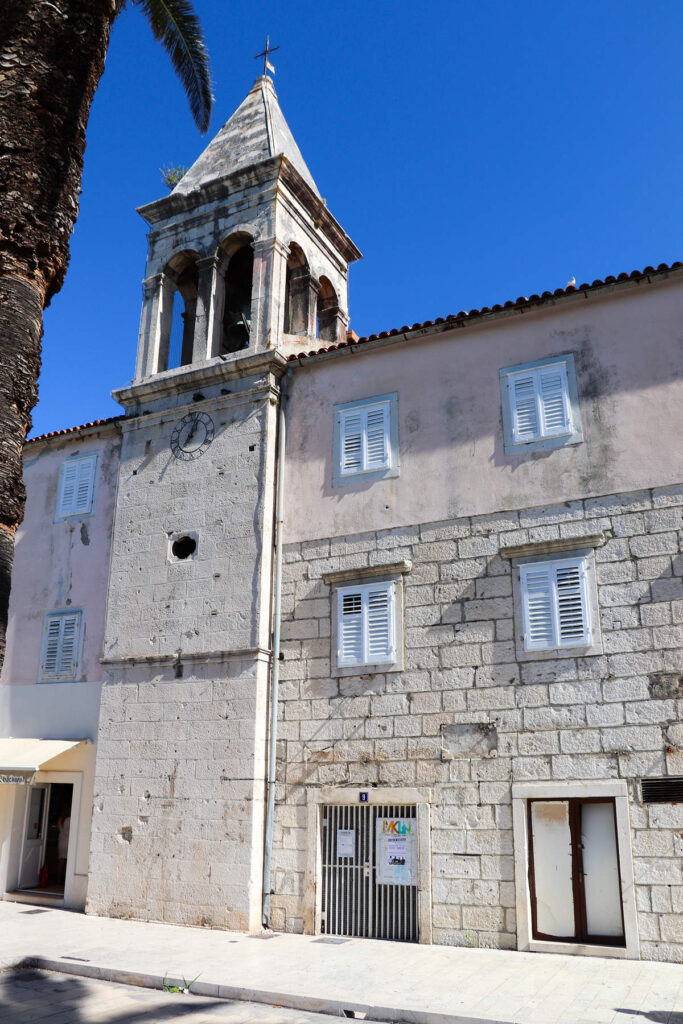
[(195, 424)]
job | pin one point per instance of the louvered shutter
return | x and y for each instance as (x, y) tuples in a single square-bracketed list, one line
[(555, 605), (68, 653), (84, 487), (539, 403), (61, 646), (67, 496), (53, 631), (377, 437), (366, 625), (77, 486), (350, 628), (524, 402), (380, 641), (537, 604), (351, 427), (365, 439), (554, 400), (572, 611)]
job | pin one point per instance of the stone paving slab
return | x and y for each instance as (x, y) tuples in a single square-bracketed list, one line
[(387, 981), (39, 997)]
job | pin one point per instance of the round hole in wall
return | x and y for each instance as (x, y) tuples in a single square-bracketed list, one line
[(183, 547)]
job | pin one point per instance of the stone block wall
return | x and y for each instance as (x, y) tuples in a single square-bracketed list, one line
[(177, 831), (214, 599), (616, 715)]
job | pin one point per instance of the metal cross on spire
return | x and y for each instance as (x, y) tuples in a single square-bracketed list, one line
[(267, 66)]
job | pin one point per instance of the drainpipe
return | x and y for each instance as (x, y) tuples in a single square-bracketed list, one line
[(275, 669)]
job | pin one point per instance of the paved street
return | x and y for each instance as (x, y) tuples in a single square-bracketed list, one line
[(387, 980), (41, 997)]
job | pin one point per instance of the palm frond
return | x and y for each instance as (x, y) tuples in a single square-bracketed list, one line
[(176, 25)]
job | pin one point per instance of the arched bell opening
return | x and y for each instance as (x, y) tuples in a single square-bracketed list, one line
[(328, 312), (181, 277), (297, 292), (238, 259)]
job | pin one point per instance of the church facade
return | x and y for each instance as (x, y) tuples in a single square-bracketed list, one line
[(378, 637)]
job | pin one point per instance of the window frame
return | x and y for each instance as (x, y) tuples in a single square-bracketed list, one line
[(549, 441), (341, 478), (364, 585), (93, 457), (62, 613), (584, 555)]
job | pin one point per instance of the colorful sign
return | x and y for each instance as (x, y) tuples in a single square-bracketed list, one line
[(396, 851)]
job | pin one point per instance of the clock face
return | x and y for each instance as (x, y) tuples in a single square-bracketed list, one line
[(192, 435)]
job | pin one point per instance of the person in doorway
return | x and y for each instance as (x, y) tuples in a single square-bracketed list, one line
[(64, 824)]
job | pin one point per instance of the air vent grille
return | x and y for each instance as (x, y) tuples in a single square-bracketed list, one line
[(667, 790)]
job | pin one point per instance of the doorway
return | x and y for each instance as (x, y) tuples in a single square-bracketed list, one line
[(369, 871), (45, 845), (574, 872)]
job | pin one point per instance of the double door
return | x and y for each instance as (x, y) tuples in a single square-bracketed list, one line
[(574, 875)]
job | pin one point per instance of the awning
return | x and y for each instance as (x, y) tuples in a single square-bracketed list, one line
[(20, 759)]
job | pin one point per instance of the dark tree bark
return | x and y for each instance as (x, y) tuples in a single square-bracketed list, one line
[(51, 58)]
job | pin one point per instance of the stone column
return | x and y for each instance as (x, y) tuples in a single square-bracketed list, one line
[(189, 328), (149, 326), (332, 324), (313, 293), (162, 333), (299, 300), (205, 346), (268, 294)]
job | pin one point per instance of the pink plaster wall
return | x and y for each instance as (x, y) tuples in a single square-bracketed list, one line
[(628, 349), (60, 564)]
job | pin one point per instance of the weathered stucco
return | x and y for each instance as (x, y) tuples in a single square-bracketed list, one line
[(61, 563), (628, 356)]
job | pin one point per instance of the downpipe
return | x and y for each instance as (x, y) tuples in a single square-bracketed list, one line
[(275, 663)]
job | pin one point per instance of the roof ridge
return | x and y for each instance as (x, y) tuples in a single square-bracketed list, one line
[(460, 318), (73, 430), (268, 114)]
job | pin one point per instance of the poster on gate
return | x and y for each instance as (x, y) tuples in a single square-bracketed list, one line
[(396, 851), (345, 842)]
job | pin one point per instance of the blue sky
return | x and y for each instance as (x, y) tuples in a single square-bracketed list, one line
[(474, 152)]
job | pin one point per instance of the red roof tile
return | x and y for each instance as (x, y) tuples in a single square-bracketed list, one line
[(74, 430), (519, 303)]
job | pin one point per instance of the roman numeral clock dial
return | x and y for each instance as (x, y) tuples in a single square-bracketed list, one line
[(191, 436)]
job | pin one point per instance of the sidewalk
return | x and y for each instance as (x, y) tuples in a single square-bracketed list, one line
[(388, 981)]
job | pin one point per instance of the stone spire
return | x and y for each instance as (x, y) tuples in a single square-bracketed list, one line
[(256, 132)]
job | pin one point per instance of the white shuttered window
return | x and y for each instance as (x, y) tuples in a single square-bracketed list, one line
[(555, 604), (365, 625), (61, 645), (365, 443), (77, 486), (539, 403)]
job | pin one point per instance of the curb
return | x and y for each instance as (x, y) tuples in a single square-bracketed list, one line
[(312, 1004)]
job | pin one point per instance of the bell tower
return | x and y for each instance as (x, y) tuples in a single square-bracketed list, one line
[(246, 245), (245, 264)]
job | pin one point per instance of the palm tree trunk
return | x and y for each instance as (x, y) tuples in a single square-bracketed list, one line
[(51, 58)]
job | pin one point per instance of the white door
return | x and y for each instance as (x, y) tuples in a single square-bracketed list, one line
[(601, 870), (553, 869), (34, 836), (574, 871)]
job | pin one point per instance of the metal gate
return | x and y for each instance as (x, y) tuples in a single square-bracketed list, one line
[(355, 900)]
